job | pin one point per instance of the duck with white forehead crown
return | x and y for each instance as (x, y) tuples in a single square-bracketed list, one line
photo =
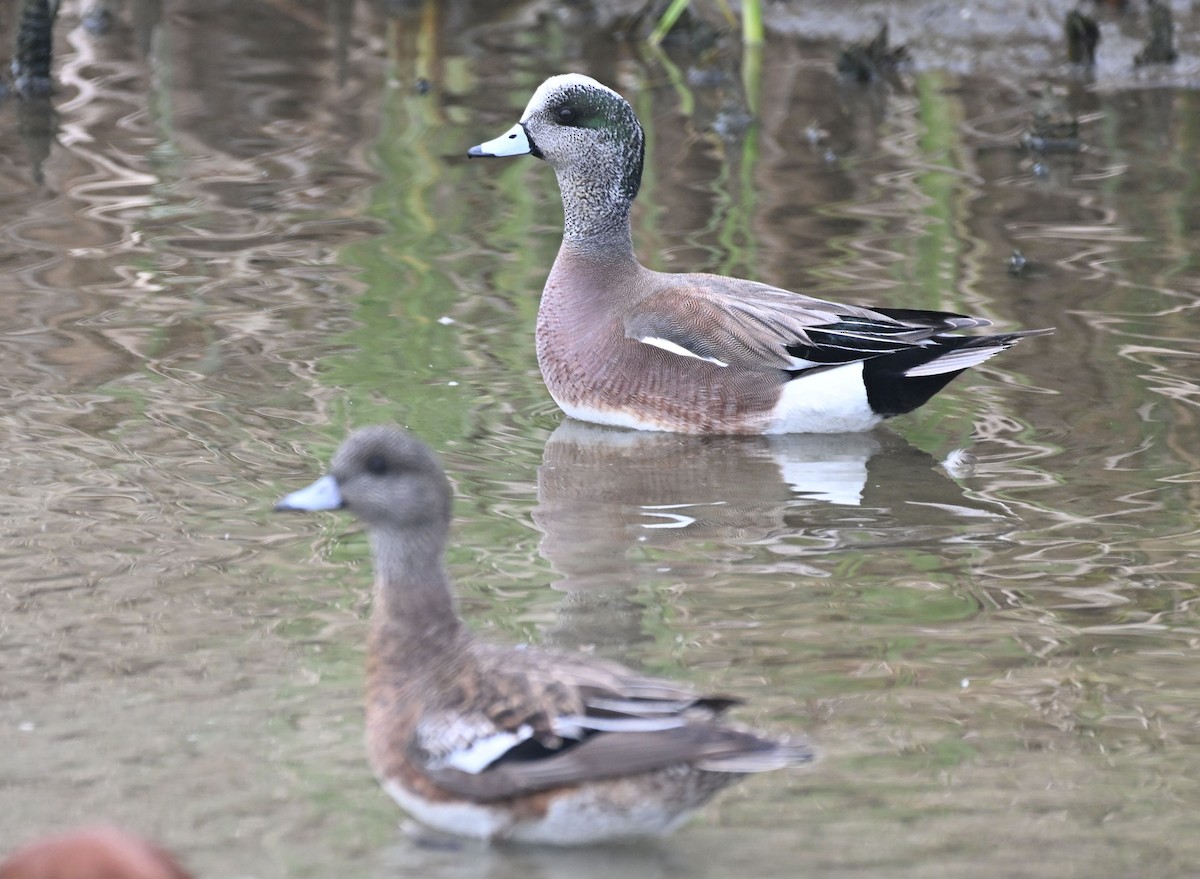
[(620, 344)]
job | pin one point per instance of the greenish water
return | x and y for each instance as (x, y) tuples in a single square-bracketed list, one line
[(257, 233)]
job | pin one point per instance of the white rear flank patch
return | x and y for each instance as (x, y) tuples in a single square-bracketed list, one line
[(483, 752), (829, 401), (954, 361), (669, 346)]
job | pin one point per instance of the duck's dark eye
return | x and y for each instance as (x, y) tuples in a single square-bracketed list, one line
[(377, 465), (566, 114)]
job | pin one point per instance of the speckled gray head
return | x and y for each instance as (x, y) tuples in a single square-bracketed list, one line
[(591, 137)]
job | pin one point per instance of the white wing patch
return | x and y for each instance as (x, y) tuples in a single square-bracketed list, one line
[(482, 752), (673, 348)]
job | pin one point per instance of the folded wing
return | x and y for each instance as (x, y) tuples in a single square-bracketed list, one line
[(758, 327), (576, 728)]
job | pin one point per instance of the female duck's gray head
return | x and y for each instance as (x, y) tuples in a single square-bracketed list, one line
[(589, 135), (386, 477)]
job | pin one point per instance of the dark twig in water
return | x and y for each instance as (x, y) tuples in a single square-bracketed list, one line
[(1160, 47), (872, 61), (35, 48), (1083, 35)]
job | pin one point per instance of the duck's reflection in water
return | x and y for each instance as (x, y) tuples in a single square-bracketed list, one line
[(618, 507)]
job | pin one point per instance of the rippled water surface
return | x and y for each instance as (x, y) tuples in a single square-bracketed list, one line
[(238, 230)]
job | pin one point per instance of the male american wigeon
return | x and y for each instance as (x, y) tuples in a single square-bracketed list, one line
[(623, 345), (510, 743)]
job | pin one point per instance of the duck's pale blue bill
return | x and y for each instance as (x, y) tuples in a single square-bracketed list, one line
[(514, 142), (321, 495)]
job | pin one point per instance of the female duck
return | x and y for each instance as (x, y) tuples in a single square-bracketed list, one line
[(503, 743), (620, 344)]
